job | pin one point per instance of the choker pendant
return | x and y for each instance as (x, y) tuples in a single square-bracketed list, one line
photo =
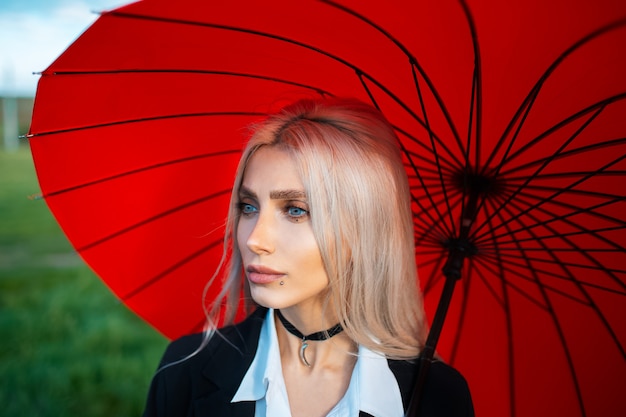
[(302, 354), (317, 336)]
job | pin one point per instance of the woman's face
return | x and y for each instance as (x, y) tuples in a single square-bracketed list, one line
[(280, 255)]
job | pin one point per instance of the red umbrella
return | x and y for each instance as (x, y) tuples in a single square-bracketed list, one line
[(512, 122)]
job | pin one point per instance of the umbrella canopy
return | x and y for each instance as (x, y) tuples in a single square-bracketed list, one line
[(512, 122)]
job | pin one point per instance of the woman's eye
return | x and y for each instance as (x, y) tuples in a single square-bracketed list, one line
[(296, 212), (247, 209)]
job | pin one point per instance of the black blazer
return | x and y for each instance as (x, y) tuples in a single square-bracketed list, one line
[(204, 384)]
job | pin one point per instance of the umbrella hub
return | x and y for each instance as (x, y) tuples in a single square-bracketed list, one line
[(476, 186), (462, 245), (458, 249), (483, 182)]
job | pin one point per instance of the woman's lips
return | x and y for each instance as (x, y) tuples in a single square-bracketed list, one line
[(258, 274)]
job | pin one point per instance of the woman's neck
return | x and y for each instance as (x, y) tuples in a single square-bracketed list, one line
[(316, 385), (311, 317), (329, 353)]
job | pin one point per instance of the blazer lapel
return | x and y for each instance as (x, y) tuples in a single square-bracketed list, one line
[(230, 357), (226, 366), (405, 372)]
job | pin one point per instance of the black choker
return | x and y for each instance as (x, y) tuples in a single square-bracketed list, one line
[(317, 336)]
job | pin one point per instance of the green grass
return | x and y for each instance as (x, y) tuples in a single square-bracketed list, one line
[(68, 347)]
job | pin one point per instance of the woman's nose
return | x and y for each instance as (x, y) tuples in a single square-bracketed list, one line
[(261, 237)]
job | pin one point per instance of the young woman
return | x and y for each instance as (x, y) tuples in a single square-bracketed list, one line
[(323, 260)]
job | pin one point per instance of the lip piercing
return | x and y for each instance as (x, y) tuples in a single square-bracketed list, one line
[(282, 282)]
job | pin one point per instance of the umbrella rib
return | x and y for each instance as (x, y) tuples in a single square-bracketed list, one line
[(490, 258), (336, 58), (534, 92), (565, 154), (435, 249), (499, 268), (509, 334), (528, 228), (573, 211), (477, 88), (435, 275), (551, 198), (526, 106), (566, 250), (438, 165), (412, 60), (569, 174), (437, 162), (410, 159), (537, 171), (191, 71), (409, 111), (612, 198), (487, 263), (429, 226), (583, 252), (470, 120), (139, 170), (565, 267), (570, 264), (151, 219), (170, 269), (433, 137), (475, 106), (367, 90), (609, 272), (576, 233), (432, 223), (595, 109), (434, 175), (529, 178), (499, 265), (144, 119), (424, 188), (557, 324), (449, 169)]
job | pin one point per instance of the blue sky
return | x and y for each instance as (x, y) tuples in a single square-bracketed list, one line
[(34, 32)]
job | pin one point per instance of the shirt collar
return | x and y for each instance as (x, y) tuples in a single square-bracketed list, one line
[(373, 387), (264, 379), (378, 390)]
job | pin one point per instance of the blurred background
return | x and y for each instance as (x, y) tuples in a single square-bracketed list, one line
[(68, 347)]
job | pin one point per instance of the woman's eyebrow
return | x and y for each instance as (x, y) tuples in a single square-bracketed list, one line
[(246, 193), (287, 195)]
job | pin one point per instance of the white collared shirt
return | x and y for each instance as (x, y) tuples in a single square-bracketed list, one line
[(373, 387)]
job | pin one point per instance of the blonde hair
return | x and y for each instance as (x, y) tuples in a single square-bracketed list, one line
[(350, 164)]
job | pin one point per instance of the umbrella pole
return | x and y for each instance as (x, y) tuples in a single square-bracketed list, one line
[(452, 272), (458, 249)]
